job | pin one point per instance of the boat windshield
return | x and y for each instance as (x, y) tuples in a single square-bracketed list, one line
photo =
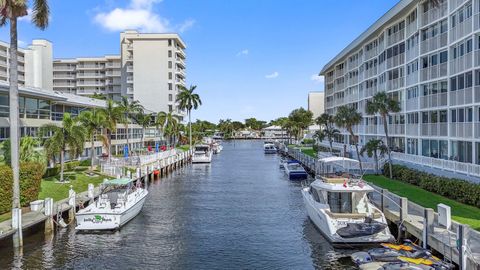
[(295, 166), (347, 202), (201, 149)]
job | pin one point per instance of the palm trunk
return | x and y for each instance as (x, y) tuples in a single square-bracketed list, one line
[(376, 162), (62, 157), (93, 151), (356, 148), (385, 127), (331, 145), (190, 128)]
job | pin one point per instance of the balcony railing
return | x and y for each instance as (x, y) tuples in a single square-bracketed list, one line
[(434, 13), (412, 129), (435, 100), (395, 83), (433, 72), (462, 130), (412, 53), (396, 37), (396, 129), (461, 30), (434, 129), (461, 63), (412, 104), (461, 97), (412, 78), (433, 43)]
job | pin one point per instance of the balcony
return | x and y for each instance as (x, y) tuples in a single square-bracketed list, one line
[(396, 37), (180, 62), (434, 13), (433, 72), (130, 46), (180, 82), (461, 63), (180, 72), (113, 65), (433, 43), (90, 75), (3, 53), (434, 129), (396, 129), (412, 129), (462, 130), (63, 76), (460, 97), (395, 61), (181, 53), (461, 30), (130, 68), (130, 79), (130, 90), (90, 84), (395, 84), (113, 73), (412, 53), (412, 78), (411, 28), (435, 100), (90, 66), (63, 68)]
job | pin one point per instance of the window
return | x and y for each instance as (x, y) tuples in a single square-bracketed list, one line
[(340, 202), (170, 97), (169, 53), (170, 75), (443, 57), (169, 42), (170, 86), (170, 108), (169, 64)]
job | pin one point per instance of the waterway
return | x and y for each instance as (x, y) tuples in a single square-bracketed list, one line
[(240, 212)]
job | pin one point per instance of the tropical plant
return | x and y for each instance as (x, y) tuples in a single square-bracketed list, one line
[(188, 101), (145, 121), (347, 117), (254, 124), (127, 109), (93, 121), (374, 148), (299, 120), (171, 128), (384, 105), (226, 127), (160, 121), (327, 129), (112, 116), (10, 11), (70, 136), (30, 151)]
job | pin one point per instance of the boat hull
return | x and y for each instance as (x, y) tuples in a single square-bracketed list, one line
[(270, 151), (108, 220), (202, 158), (324, 225)]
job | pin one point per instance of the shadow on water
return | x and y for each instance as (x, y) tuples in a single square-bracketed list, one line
[(239, 212)]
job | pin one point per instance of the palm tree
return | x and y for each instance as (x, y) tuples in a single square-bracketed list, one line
[(347, 117), (69, 136), (10, 11), (112, 116), (327, 128), (160, 121), (171, 127), (93, 121), (375, 148), (30, 151), (383, 105), (188, 101), (127, 108), (145, 121)]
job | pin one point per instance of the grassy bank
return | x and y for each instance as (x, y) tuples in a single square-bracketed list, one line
[(309, 151), (183, 147), (462, 213)]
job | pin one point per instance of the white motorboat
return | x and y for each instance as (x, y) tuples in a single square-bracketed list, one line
[(202, 154), (294, 170), (269, 148), (338, 205), (120, 201)]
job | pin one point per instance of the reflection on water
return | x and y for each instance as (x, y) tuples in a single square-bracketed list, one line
[(240, 212)]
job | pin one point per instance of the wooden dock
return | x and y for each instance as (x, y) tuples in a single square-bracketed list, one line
[(163, 163), (457, 242)]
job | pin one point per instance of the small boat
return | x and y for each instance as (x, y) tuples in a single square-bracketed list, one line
[(295, 171), (202, 154), (338, 205), (216, 147), (119, 202), (269, 148)]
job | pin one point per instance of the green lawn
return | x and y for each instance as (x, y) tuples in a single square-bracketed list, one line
[(309, 151), (183, 147), (58, 191), (462, 213)]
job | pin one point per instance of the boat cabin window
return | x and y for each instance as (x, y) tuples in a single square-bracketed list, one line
[(314, 194), (340, 202)]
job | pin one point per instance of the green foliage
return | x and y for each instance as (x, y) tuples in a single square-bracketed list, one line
[(68, 166), (455, 189), (308, 141), (187, 99), (30, 180), (29, 151), (254, 124)]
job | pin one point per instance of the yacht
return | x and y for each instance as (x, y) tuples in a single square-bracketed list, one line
[(120, 201), (338, 205), (202, 154), (269, 148), (295, 171)]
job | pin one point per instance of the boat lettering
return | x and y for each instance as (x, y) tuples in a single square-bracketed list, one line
[(97, 219)]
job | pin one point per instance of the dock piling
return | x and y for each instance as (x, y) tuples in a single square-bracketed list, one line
[(91, 194), (462, 246), (17, 225), (428, 226), (49, 213), (71, 203)]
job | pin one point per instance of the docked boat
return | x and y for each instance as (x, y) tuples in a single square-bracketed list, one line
[(338, 205), (269, 148), (202, 154), (120, 201), (217, 147), (295, 171)]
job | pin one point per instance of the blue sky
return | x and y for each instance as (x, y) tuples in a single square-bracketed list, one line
[(249, 58)]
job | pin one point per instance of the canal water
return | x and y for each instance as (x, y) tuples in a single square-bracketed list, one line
[(240, 212)]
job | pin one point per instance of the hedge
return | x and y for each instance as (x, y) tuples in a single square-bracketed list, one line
[(68, 166), (456, 189), (30, 181)]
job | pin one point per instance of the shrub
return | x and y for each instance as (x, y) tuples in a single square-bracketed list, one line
[(455, 189), (30, 181), (308, 141), (85, 162), (67, 166)]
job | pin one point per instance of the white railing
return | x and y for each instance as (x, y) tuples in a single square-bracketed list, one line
[(433, 72), (434, 43), (434, 13), (434, 100), (463, 130), (461, 30), (461, 63), (434, 129), (460, 97)]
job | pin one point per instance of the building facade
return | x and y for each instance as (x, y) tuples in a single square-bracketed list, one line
[(426, 55), (316, 103)]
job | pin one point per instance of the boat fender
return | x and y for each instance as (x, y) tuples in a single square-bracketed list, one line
[(361, 257)]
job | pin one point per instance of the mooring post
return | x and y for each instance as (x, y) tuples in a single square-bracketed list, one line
[(384, 198), (403, 217), (49, 213), (71, 203), (462, 236), (428, 218), (147, 176), (91, 191), (17, 225)]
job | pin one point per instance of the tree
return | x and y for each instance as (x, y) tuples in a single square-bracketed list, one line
[(29, 151), (347, 117), (70, 136), (10, 11), (327, 129), (300, 119), (384, 105), (188, 101), (160, 120), (254, 124), (226, 127), (93, 121), (112, 116), (237, 125), (127, 109), (375, 148), (171, 127), (145, 121), (278, 122)]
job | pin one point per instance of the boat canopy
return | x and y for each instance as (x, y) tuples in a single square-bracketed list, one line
[(118, 182), (337, 159)]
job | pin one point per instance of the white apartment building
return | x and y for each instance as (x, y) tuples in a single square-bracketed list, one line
[(316, 102), (149, 68), (426, 56)]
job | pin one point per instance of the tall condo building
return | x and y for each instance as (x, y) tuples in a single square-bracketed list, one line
[(149, 68), (426, 55)]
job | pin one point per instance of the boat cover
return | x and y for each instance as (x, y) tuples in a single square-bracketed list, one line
[(369, 227)]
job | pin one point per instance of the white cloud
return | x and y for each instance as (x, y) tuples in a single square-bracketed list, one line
[(243, 52), (186, 25), (139, 15), (272, 76), (317, 79)]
